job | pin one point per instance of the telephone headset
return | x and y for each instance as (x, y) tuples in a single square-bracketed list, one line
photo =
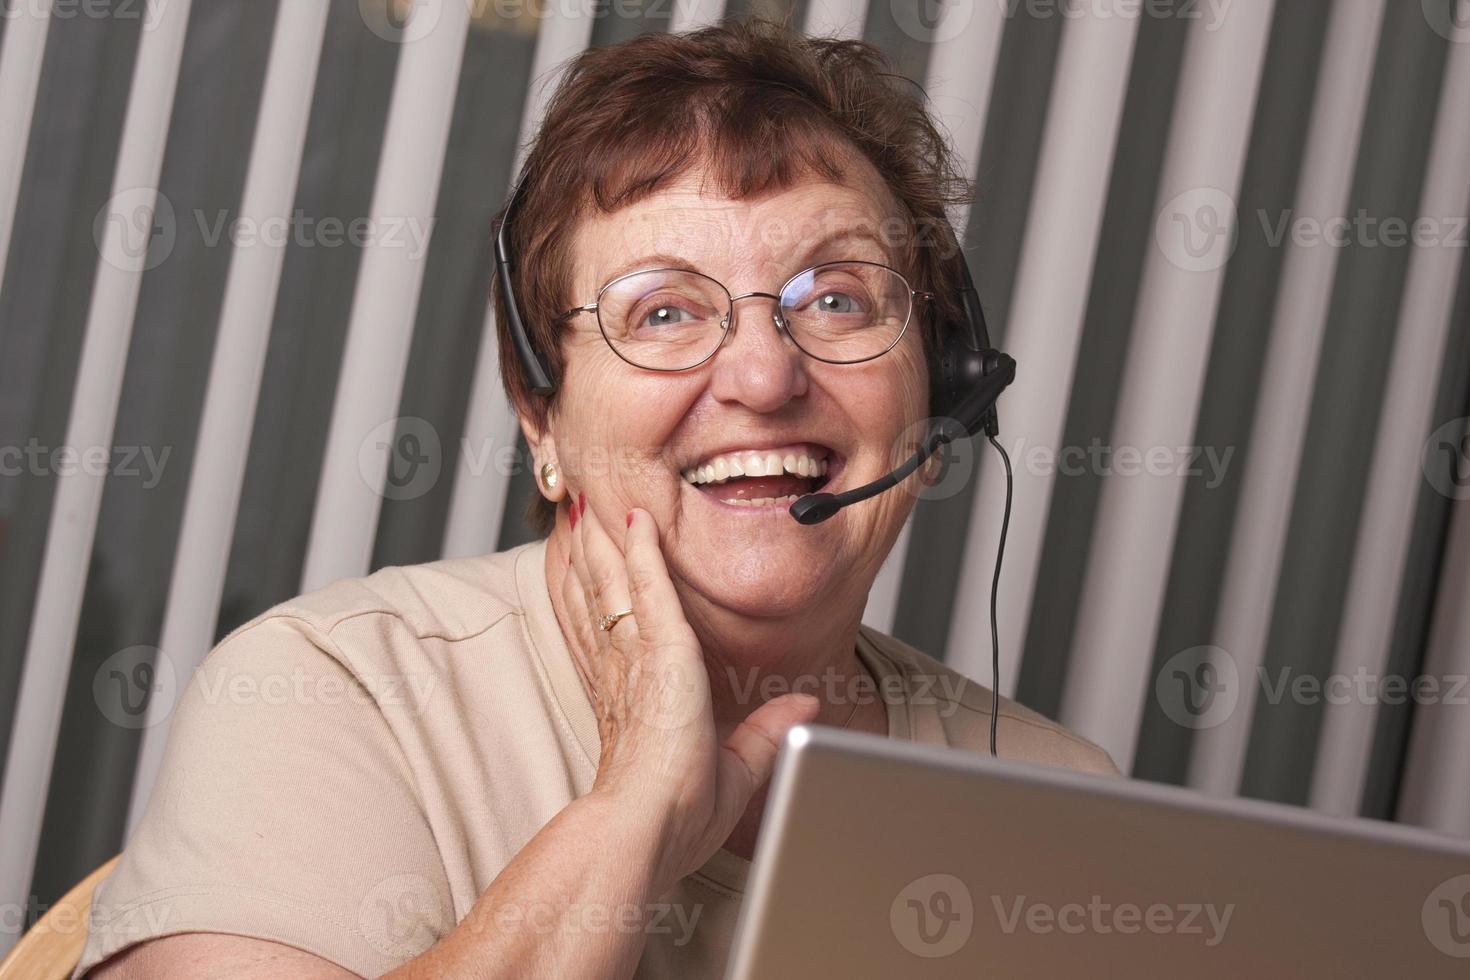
[(967, 377)]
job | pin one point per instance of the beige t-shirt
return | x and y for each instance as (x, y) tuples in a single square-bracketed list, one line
[(348, 771)]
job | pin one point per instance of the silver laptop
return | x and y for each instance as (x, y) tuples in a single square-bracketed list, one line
[(886, 859)]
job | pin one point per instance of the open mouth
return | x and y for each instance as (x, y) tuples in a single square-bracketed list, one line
[(764, 477)]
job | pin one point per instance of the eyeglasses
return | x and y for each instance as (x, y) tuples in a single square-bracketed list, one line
[(676, 319)]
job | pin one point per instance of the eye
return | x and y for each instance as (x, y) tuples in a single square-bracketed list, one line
[(666, 315), (836, 302)]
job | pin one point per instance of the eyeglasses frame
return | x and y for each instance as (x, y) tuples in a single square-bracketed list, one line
[(727, 321)]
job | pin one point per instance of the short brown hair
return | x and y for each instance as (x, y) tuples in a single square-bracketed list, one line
[(761, 107)]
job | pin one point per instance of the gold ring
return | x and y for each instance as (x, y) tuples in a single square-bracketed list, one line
[(607, 621)]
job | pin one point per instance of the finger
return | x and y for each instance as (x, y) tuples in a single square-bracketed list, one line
[(651, 592), (583, 641), (608, 576), (582, 574), (748, 755)]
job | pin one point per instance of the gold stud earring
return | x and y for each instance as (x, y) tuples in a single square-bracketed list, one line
[(549, 477)]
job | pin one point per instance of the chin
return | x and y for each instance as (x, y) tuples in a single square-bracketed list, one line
[(762, 581)]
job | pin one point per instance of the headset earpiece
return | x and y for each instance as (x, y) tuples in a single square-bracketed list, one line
[(538, 372), (964, 356)]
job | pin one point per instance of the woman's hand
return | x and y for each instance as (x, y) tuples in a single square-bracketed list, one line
[(651, 693)]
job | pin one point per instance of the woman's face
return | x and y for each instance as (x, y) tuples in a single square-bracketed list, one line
[(628, 437)]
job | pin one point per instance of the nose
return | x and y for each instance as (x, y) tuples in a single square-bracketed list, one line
[(758, 365)]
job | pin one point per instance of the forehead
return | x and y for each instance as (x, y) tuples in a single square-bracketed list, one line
[(691, 220)]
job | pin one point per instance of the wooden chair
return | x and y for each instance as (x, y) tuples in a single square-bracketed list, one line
[(52, 948)]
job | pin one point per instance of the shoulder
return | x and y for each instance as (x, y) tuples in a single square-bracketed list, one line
[(963, 709), (398, 618)]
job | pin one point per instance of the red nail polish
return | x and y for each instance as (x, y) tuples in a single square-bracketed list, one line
[(630, 518), (582, 502), (572, 515)]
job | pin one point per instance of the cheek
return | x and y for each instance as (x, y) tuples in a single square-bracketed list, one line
[(893, 396), (616, 424)]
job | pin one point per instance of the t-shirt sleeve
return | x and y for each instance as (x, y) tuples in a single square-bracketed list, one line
[(283, 811)]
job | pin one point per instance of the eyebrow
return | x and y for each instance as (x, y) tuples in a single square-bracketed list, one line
[(666, 260)]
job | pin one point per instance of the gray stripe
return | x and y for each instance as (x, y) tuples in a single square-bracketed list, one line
[(237, 363), (450, 326), (48, 286), (126, 247), (477, 506), (995, 224), (1127, 235), (359, 465), (157, 427), (1396, 470), (338, 170), (1423, 570), (1327, 501), (1245, 395), (21, 51)]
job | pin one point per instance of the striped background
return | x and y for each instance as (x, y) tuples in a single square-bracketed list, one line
[(246, 389)]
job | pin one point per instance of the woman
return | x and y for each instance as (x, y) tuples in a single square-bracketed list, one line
[(477, 767)]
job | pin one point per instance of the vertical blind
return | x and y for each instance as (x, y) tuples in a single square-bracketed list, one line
[(245, 350)]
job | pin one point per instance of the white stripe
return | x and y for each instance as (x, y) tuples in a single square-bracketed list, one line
[(99, 381), (691, 15), (1394, 480), (379, 334), (1159, 398), (21, 54), (1044, 331), (480, 485), (235, 374), (1278, 433), (836, 18), (961, 76), (1433, 791)]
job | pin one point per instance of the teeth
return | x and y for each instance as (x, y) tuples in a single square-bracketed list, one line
[(785, 501), (728, 467)]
